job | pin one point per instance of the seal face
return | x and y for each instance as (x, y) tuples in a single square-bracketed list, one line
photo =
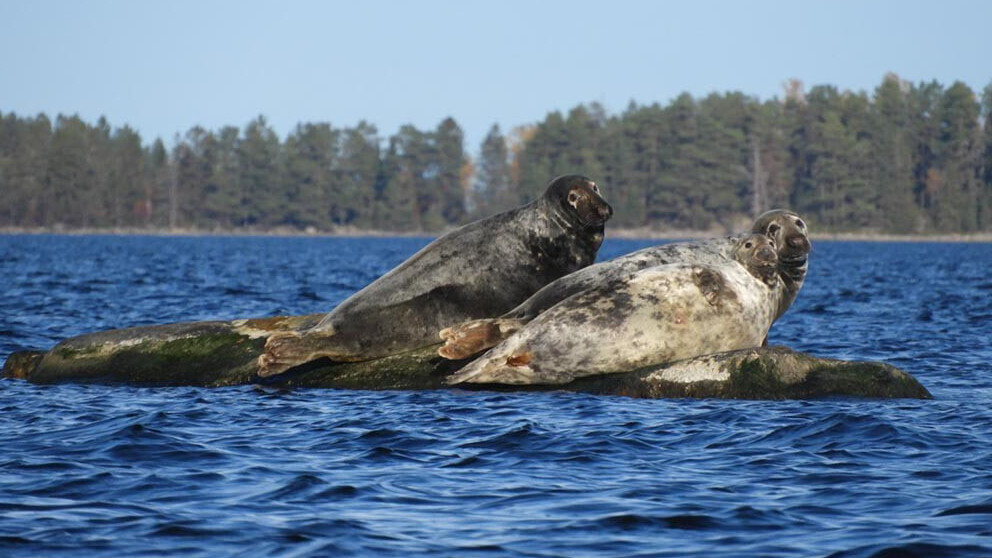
[(785, 228), (480, 270), (654, 315), (788, 230)]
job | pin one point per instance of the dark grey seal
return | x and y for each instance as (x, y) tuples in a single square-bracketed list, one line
[(480, 270), (785, 228)]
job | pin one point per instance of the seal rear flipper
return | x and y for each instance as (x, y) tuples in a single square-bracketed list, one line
[(287, 350), (471, 338), (514, 369)]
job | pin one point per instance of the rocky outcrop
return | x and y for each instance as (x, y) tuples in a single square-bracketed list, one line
[(215, 354)]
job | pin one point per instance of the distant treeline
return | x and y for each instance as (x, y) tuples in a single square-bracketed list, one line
[(907, 158)]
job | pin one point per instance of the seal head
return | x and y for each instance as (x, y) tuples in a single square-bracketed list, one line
[(756, 252), (791, 237), (579, 201), (788, 230)]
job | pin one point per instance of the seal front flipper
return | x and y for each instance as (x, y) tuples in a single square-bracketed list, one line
[(471, 338)]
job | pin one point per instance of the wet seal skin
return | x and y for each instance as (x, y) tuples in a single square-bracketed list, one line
[(785, 228), (480, 270), (652, 316)]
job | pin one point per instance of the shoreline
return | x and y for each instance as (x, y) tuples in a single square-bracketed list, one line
[(627, 234)]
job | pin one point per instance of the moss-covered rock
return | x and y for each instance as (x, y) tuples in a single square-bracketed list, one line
[(761, 373), (226, 353), (419, 369), (193, 353)]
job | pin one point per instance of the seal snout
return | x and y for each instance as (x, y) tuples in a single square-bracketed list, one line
[(593, 210), (795, 251), (798, 242), (766, 255), (605, 211)]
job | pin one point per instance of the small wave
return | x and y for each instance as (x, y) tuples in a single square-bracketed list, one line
[(300, 486), (680, 521), (915, 550), (985, 508)]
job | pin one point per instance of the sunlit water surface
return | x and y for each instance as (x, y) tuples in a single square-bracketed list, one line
[(122, 471)]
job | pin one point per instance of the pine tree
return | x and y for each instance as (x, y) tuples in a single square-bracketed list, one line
[(725, 152), (313, 198), (543, 157), (957, 161), (985, 206), (767, 165), (126, 176), (833, 185), (449, 154), (69, 194), (582, 152), (406, 198), (892, 156), (158, 185), (358, 172), (100, 162), (263, 200), (924, 102), (25, 146), (642, 138), (223, 199), (677, 200), (493, 190)]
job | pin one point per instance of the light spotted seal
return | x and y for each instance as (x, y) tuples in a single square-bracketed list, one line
[(479, 270), (652, 316), (786, 228)]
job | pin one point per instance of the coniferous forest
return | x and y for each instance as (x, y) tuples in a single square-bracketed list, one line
[(905, 158)]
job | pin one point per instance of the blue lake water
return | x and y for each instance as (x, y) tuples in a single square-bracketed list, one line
[(117, 471)]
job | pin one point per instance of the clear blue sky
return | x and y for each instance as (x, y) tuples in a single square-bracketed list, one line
[(163, 67)]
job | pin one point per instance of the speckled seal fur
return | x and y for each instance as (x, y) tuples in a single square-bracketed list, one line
[(654, 315), (479, 270), (785, 228)]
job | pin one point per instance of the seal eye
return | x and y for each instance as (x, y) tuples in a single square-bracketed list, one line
[(593, 187), (773, 228), (573, 197), (748, 245), (800, 223)]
